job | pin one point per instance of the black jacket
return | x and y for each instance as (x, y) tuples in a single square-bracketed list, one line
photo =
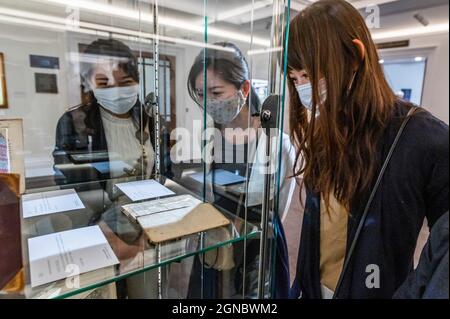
[(414, 186), (430, 279), (80, 131)]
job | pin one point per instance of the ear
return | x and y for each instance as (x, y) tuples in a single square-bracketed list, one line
[(361, 48), (246, 87)]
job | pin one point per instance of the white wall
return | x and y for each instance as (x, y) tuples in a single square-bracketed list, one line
[(41, 112), (38, 111), (436, 92), (406, 75)]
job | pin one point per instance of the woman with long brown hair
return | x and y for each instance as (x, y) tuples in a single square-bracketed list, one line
[(373, 166)]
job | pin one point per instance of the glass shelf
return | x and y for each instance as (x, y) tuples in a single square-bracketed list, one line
[(135, 253), (170, 56)]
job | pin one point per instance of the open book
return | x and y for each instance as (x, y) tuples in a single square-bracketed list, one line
[(61, 255), (174, 217), (134, 211), (65, 286)]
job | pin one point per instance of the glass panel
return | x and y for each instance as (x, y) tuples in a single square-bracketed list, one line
[(230, 81), (135, 254), (112, 92), (406, 77), (73, 77)]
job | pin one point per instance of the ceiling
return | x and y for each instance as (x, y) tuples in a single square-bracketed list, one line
[(410, 5), (228, 19), (257, 15)]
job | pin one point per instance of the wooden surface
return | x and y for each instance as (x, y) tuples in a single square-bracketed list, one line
[(10, 235), (201, 218)]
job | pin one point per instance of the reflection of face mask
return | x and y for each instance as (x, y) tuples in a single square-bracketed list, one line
[(225, 111), (305, 94), (118, 100)]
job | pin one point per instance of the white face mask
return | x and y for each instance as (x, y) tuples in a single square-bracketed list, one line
[(305, 94), (118, 100)]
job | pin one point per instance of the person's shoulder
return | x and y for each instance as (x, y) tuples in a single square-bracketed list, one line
[(428, 133), (79, 107), (74, 118), (286, 138), (73, 110), (65, 118), (427, 121), (433, 132), (287, 142)]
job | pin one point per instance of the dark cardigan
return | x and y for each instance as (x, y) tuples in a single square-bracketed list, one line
[(80, 131), (415, 186), (430, 279), (80, 124)]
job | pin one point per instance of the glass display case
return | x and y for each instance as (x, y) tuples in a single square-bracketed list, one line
[(151, 154)]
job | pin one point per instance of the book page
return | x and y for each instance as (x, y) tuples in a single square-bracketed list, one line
[(147, 189), (16, 148), (5, 165), (158, 206), (50, 203), (57, 256)]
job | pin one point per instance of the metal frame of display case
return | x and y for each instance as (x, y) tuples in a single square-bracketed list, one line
[(276, 73), (277, 76), (160, 251)]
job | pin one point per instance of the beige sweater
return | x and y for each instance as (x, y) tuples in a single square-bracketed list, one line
[(333, 242)]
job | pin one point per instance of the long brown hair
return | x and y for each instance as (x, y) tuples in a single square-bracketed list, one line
[(338, 150)]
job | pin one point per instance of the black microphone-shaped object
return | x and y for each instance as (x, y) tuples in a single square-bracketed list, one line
[(269, 111)]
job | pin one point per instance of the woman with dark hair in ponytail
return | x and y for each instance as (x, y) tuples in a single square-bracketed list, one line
[(233, 106)]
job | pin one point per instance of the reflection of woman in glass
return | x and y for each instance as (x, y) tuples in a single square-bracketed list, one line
[(110, 130), (109, 119), (233, 105)]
